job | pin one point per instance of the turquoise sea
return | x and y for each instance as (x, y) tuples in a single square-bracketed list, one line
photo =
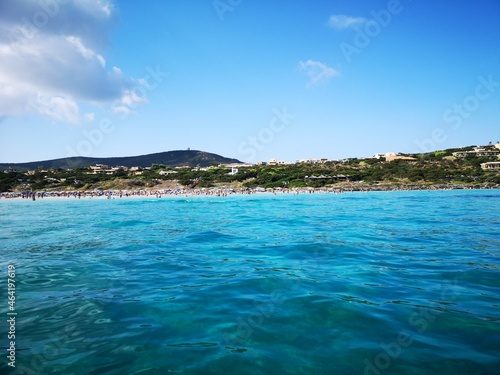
[(355, 283)]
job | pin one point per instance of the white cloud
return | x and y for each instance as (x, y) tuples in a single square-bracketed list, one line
[(106, 7), (50, 60), (87, 53), (342, 22), (57, 108), (128, 101), (317, 72)]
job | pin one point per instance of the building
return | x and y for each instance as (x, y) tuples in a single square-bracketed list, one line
[(166, 173), (98, 168), (236, 165), (278, 162), (135, 171), (386, 155), (113, 170), (104, 169), (491, 165), (478, 152)]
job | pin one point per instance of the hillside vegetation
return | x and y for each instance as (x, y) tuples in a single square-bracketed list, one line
[(436, 168)]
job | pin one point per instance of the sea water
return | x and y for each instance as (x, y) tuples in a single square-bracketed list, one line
[(354, 283)]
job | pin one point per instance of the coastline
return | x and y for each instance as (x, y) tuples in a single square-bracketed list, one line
[(227, 191)]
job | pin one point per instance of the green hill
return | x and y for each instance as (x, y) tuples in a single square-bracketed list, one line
[(177, 158)]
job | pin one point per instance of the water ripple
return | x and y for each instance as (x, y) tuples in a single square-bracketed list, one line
[(308, 284)]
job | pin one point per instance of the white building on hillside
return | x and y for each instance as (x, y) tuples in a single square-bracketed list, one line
[(387, 154), (492, 165)]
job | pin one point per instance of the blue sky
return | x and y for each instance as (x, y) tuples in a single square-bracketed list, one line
[(252, 80)]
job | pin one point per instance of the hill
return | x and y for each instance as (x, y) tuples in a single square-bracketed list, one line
[(439, 169), (177, 158)]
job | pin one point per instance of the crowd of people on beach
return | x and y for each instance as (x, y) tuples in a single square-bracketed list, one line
[(222, 192)]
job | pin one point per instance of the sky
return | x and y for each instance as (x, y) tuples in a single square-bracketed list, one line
[(251, 80)]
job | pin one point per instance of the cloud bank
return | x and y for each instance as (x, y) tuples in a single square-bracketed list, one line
[(50, 60)]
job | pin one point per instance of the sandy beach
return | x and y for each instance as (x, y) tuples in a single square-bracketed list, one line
[(224, 191)]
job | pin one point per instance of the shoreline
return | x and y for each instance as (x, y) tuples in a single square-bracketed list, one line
[(227, 191)]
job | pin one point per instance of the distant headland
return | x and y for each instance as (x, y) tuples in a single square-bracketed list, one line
[(169, 158)]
